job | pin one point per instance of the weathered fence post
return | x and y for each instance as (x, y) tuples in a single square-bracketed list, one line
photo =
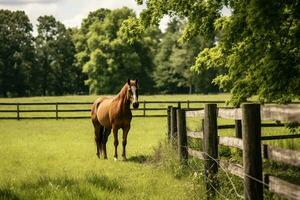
[(144, 110), (179, 104), (182, 136), (56, 111), (252, 161), (238, 131), (169, 123), (173, 125), (18, 111), (210, 147)]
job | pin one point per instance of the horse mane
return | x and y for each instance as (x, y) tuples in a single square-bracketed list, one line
[(123, 93)]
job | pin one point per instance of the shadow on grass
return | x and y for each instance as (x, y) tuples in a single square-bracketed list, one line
[(103, 182), (61, 188), (138, 159), (8, 194)]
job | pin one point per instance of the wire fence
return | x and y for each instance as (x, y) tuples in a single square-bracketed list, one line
[(252, 174)]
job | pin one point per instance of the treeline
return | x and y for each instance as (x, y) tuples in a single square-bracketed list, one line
[(97, 57), (257, 48)]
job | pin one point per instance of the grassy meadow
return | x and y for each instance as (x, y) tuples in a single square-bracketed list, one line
[(56, 159), (48, 159)]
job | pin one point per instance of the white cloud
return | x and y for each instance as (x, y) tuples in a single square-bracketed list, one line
[(34, 10), (70, 12), (24, 2), (75, 21)]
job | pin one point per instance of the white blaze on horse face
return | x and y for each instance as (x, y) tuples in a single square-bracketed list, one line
[(135, 102)]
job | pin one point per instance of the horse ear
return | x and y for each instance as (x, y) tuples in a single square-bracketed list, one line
[(136, 81), (128, 81)]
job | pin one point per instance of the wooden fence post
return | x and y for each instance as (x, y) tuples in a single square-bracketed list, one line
[(210, 147), (252, 161), (56, 111), (18, 111), (169, 123), (182, 136), (144, 111), (173, 125), (238, 127), (238, 132)]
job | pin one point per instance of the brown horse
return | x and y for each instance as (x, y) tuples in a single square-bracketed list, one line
[(114, 113)]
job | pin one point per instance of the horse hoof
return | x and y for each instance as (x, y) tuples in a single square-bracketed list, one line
[(98, 155), (115, 159), (124, 158)]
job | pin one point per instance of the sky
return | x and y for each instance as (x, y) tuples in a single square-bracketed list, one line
[(70, 12)]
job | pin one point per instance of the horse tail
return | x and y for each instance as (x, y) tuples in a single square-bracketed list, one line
[(99, 129)]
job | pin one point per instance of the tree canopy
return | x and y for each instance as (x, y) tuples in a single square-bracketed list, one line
[(41, 65), (253, 51), (174, 60), (108, 58), (258, 45), (16, 53), (55, 55)]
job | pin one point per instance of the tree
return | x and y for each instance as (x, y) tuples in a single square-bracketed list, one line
[(80, 37), (174, 60), (16, 53), (111, 58), (258, 45), (56, 55)]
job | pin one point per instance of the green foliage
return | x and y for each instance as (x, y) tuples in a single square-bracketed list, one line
[(113, 53), (131, 30), (36, 66), (55, 54), (174, 59), (16, 54), (257, 46)]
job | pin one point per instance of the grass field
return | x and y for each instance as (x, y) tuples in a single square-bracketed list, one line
[(48, 159), (56, 159)]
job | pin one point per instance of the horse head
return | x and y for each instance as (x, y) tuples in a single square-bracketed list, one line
[(132, 93)]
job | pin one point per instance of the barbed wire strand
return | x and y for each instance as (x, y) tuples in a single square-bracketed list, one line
[(231, 182), (227, 175)]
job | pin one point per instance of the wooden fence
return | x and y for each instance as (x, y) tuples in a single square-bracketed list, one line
[(81, 110), (248, 139)]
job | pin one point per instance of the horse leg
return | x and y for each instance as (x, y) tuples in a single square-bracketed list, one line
[(116, 143), (105, 135), (124, 142), (97, 129)]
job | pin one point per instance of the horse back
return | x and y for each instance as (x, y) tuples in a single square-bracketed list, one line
[(100, 111)]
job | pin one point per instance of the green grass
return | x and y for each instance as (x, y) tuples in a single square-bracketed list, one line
[(49, 159)]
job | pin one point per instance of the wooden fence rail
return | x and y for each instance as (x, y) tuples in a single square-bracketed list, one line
[(254, 151), (55, 110)]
